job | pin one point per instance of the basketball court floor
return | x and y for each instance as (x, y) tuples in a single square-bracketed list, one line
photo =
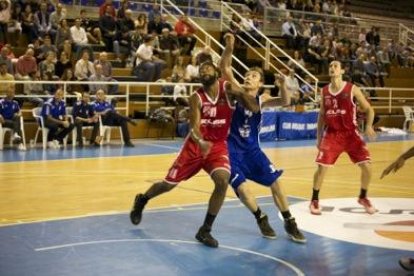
[(65, 212)]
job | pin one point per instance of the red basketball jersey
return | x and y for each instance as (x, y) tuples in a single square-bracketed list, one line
[(340, 109), (215, 114)]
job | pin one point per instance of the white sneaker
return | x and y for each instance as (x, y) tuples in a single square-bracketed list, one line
[(17, 139), (21, 147), (57, 145), (51, 145)]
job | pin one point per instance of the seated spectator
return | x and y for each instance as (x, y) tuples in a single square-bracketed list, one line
[(62, 64), (169, 47), (48, 66), (4, 76), (57, 16), (306, 91), (126, 30), (289, 32), (10, 117), (99, 76), (373, 37), (26, 64), (43, 23), (120, 14), (178, 71), (141, 24), (185, 31), (106, 65), (292, 86), (374, 72), (63, 34), (156, 10), (112, 118), (84, 68), (110, 31), (28, 24), (155, 26), (35, 87), (54, 116), (80, 39), (191, 71), (92, 30), (84, 115), (359, 74), (4, 58), (72, 90), (297, 56), (148, 67), (383, 57), (5, 14), (45, 48)]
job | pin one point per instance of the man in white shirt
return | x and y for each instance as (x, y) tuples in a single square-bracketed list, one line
[(80, 39), (148, 67), (289, 32)]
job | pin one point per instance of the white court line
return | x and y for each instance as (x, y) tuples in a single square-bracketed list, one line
[(380, 227), (289, 265)]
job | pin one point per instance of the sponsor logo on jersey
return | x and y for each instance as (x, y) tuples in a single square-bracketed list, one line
[(335, 112)]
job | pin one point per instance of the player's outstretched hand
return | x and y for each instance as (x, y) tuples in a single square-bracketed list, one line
[(394, 167), (370, 132), (229, 39)]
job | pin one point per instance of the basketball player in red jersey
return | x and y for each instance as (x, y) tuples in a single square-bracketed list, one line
[(337, 133), (204, 148)]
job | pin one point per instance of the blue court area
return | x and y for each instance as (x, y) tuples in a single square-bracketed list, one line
[(164, 244), (146, 147)]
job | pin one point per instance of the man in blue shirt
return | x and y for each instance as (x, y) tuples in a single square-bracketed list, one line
[(10, 117), (246, 157), (110, 117), (54, 116), (84, 115)]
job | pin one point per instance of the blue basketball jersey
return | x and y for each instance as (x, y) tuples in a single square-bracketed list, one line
[(245, 128)]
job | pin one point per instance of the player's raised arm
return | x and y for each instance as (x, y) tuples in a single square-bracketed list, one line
[(283, 100), (367, 108)]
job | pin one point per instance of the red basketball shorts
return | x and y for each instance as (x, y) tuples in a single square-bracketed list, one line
[(190, 161), (334, 143)]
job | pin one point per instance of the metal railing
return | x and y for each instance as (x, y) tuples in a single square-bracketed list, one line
[(391, 100), (405, 34), (269, 46)]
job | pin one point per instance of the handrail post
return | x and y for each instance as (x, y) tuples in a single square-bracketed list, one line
[(390, 102), (127, 99), (147, 101), (267, 56)]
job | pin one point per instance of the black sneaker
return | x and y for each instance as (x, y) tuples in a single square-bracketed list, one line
[(293, 231), (265, 228), (136, 213), (203, 235), (129, 144)]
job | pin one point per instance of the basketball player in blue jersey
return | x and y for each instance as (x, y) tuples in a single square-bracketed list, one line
[(246, 157)]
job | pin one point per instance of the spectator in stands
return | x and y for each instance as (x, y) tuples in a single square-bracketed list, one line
[(383, 57), (362, 35), (317, 28), (62, 64), (292, 86), (4, 58), (235, 24), (28, 23), (107, 8), (122, 9), (99, 76), (110, 32), (57, 16), (63, 34), (14, 26), (165, 23), (297, 57), (106, 65), (47, 67), (34, 87), (126, 30), (148, 67), (54, 115), (45, 48), (43, 23), (5, 15), (178, 71), (110, 117), (169, 47), (84, 67), (155, 25), (185, 31), (5, 76), (191, 71), (373, 37), (359, 74), (313, 54), (289, 32), (26, 64), (374, 73), (80, 39), (327, 55), (156, 11), (141, 24), (84, 115), (72, 90), (92, 30), (10, 117)]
